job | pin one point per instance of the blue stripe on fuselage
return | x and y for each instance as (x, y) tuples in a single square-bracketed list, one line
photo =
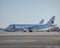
[(28, 25)]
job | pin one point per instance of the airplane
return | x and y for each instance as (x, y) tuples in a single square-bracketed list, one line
[(30, 27), (10, 29)]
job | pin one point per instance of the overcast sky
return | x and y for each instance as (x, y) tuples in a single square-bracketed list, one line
[(28, 11)]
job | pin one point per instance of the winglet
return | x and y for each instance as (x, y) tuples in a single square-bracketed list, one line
[(41, 22)]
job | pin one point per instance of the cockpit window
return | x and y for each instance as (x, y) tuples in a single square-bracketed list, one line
[(10, 26)]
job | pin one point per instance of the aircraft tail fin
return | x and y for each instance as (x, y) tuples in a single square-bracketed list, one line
[(41, 22), (51, 21)]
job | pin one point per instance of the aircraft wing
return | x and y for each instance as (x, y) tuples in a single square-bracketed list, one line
[(31, 27), (36, 26)]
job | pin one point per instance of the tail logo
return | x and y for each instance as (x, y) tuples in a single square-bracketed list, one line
[(52, 22)]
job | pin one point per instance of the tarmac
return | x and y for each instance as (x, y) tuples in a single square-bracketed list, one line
[(29, 39)]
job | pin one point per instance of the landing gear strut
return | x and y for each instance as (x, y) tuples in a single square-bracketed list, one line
[(30, 30)]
